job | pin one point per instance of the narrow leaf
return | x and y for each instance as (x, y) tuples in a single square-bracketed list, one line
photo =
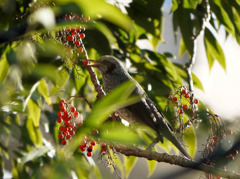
[(152, 164), (30, 94), (35, 154), (3, 67), (190, 140), (43, 90), (129, 162), (213, 50), (34, 112), (116, 99)]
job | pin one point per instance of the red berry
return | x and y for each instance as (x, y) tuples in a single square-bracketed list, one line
[(68, 118), (90, 148), (229, 132), (72, 132), (185, 106), (174, 99), (214, 138), (59, 114), (67, 123), (73, 31), (61, 128), (68, 137), (184, 91), (80, 50), (77, 43), (231, 157), (76, 114), (70, 38), (62, 109), (196, 101), (89, 154), (110, 146), (69, 129), (234, 152), (95, 132), (64, 142), (93, 142), (61, 103), (83, 149), (59, 120), (85, 62), (180, 111), (82, 35), (84, 143), (187, 95), (60, 136), (103, 146), (104, 150), (73, 109)]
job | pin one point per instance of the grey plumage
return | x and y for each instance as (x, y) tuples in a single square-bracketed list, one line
[(143, 112)]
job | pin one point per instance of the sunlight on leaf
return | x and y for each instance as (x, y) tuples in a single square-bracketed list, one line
[(129, 162)]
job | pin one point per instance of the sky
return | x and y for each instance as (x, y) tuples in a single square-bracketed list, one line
[(220, 87)]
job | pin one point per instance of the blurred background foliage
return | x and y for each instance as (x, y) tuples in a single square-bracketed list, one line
[(36, 73)]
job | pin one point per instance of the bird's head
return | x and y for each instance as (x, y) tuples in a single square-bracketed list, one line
[(107, 65)]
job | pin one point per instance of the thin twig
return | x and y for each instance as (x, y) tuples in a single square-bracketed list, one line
[(85, 99), (190, 64)]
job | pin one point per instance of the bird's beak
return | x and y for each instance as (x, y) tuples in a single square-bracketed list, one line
[(92, 63)]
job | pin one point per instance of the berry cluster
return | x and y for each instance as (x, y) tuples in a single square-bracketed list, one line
[(88, 147), (70, 120), (71, 38), (178, 96), (212, 144)]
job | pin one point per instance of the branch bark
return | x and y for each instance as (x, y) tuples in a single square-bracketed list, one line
[(177, 160)]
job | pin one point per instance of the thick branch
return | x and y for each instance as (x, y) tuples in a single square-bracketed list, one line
[(177, 160)]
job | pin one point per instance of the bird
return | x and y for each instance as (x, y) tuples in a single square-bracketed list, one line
[(144, 112)]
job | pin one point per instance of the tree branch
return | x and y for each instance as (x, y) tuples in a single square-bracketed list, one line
[(189, 65), (177, 160)]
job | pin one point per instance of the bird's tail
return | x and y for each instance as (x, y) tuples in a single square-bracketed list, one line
[(174, 140)]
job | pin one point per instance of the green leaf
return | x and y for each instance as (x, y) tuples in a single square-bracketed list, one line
[(129, 162), (43, 90), (191, 4), (174, 5), (34, 133), (213, 50), (152, 164), (182, 48), (35, 154), (34, 112), (119, 133), (116, 99), (190, 140), (182, 19), (30, 94), (4, 66), (221, 11), (196, 82)]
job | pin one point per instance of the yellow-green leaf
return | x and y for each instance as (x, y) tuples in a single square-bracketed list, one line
[(43, 90), (152, 164), (34, 112), (190, 140), (129, 162)]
